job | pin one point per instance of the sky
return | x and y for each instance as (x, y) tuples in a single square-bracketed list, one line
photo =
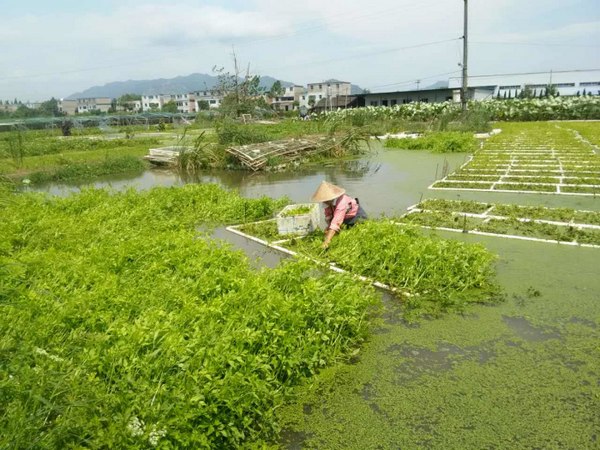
[(55, 48)]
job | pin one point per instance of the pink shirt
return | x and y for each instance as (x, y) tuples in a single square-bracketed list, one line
[(344, 207)]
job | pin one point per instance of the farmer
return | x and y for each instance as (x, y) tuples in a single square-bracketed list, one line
[(339, 209)]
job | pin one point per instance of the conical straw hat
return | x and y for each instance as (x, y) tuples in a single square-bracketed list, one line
[(326, 192)]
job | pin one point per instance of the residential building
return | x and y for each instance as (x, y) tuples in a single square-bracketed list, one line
[(186, 103), (67, 107), (289, 99), (151, 102), (9, 108), (131, 105), (101, 104), (70, 107), (213, 99), (315, 92), (32, 105), (181, 100)]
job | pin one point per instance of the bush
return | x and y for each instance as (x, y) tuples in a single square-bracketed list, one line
[(553, 108), (230, 132)]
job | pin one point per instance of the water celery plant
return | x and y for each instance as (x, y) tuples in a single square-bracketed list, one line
[(297, 211), (439, 275), (122, 326)]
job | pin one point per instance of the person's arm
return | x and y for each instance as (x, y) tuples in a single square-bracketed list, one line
[(334, 225), (328, 237)]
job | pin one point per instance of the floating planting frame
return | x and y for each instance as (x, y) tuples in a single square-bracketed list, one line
[(519, 167), (276, 245), (486, 216)]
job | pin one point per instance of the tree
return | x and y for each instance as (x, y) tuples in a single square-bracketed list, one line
[(113, 106), (49, 108), (169, 107), (203, 105), (527, 92), (127, 101), (240, 95), (129, 97), (551, 90), (276, 90)]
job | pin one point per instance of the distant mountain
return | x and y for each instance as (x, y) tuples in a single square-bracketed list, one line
[(438, 85), (177, 85)]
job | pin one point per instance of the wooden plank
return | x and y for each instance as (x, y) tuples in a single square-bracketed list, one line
[(256, 156)]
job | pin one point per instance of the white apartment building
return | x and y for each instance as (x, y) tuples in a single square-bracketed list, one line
[(211, 97), (186, 103), (151, 102), (325, 90), (181, 100)]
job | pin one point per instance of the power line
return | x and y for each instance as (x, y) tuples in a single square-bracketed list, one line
[(533, 44), (364, 55), (414, 80), (533, 73)]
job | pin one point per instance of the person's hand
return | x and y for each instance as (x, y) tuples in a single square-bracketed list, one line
[(325, 245)]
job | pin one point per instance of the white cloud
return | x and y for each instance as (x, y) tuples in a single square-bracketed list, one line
[(297, 41)]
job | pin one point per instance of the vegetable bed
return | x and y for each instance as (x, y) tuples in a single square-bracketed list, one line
[(541, 157), (563, 225)]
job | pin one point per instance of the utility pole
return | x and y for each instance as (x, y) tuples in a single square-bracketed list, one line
[(464, 90)]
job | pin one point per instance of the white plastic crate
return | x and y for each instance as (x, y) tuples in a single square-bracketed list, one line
[(301, 224)]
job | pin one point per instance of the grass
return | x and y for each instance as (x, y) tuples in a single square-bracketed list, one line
[(437, 142), (55, 160), (86, 171)]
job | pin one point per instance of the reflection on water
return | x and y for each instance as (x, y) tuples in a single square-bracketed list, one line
[(386, 182)]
